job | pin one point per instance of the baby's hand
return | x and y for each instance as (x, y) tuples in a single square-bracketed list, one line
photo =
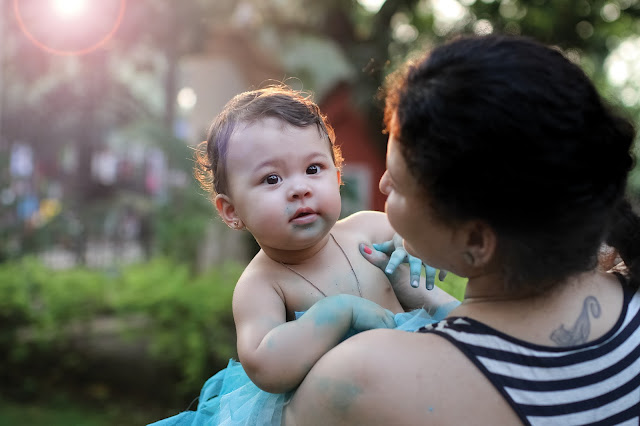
[(390, 254), (367, 315)]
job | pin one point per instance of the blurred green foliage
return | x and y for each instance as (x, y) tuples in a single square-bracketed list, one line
[(59, 411), (184, 320), (180, 216), (179, 226)]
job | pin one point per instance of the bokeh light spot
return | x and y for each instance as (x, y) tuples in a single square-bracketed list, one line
[(187, 98), (610, 12), (483, 27)]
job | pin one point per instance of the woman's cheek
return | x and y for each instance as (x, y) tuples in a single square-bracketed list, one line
[(394, 215)]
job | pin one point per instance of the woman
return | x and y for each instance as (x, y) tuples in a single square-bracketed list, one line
[(504, 166)]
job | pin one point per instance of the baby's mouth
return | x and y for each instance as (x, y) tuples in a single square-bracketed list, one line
[(303, 215)]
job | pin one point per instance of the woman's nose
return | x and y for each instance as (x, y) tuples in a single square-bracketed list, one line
[(384, 183)]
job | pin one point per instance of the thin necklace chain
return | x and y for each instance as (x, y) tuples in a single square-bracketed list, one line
[(316, 287)]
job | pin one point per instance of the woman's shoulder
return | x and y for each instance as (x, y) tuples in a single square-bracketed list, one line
[(396, 377)]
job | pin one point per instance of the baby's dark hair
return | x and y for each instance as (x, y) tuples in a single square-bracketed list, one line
[(509, 131), (281, 102)]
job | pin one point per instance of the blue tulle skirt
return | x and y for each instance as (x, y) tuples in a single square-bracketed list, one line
[(230, 398)]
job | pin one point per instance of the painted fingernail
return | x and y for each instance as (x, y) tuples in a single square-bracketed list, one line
[(388, 271), (367, 250), (415, 283)]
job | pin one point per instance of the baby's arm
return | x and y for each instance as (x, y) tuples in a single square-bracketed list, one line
[(277, 354)]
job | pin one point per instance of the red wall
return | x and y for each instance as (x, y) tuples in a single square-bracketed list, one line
[(353, 134)]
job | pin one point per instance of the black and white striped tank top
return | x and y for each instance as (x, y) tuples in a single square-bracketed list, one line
[(594, 383)]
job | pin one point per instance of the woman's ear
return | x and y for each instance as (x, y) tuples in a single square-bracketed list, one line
[(480, 244), (227, 212)]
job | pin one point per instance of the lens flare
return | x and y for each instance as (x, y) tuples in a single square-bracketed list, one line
[(67, 9)]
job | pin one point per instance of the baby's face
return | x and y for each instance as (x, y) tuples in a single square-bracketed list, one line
[(283, 183)]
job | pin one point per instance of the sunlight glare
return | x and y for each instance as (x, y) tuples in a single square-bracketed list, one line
[(623, 71), (448, 10), (372, 6), (618, 72), (70, 8), (621, 63)]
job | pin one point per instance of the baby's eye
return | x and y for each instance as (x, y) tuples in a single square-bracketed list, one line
[(272, 179), (313, 169)]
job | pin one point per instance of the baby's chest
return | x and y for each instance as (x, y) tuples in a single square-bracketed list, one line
[(302, 288)]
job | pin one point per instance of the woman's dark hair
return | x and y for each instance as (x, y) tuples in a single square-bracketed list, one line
[(509, 131), (281, 102), (624, 235)]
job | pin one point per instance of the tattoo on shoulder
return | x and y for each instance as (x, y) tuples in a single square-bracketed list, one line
[(579, 333)]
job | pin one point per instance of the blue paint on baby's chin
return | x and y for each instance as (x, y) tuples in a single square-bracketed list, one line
[(305, 227)]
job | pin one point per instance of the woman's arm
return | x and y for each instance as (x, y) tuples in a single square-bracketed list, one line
[(370, 379), (277, 354), (391, 377)]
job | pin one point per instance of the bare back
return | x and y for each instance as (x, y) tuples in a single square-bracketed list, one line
[(433, 381)]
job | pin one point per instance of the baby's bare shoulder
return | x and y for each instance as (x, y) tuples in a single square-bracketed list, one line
[(366, 226), (260, 272), (257, 289)]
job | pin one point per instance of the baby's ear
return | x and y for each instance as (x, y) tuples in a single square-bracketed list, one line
[(227, 211)]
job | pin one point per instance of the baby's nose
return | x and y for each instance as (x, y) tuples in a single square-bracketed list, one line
[(299, 189)]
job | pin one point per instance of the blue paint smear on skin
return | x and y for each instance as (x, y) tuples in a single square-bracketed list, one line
[(305, 227), (288, 211), (327, 315)]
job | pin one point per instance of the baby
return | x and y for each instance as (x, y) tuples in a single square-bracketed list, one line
[(272, 167)]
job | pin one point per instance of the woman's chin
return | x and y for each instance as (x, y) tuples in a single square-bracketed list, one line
[(410, 249)]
